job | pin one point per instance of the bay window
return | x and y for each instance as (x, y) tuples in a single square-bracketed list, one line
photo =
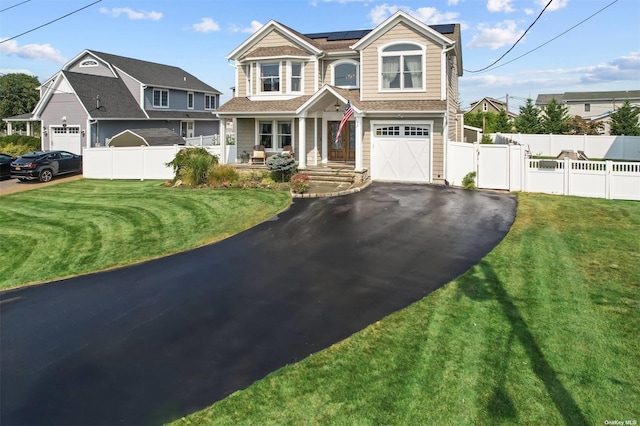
[(295, 84), (270, 77)]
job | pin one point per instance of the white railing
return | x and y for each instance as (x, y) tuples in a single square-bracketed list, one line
[(212, 144), (625, 148), (138, 162), (508, 167)]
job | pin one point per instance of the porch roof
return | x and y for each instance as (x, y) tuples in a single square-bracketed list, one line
[(21, 117), (245, 106)]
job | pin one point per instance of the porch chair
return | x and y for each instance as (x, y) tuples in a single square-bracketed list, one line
[(289, 149), (258, 155)]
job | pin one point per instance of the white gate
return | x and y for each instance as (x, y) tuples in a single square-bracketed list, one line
[(493, 166), (66, 138)]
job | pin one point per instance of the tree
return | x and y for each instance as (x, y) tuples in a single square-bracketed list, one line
[(529, 119), (624, 120), (579, 126), (18, 94), (502, 122), (555, 118), (482, 120)]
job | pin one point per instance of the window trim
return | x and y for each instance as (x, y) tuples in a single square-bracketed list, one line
[(153, 98), (259, 77), (587, 107), (345, 62), (275, 135), (290, 76), (212, 102), (422, 49), (190, 100), (89, 63)]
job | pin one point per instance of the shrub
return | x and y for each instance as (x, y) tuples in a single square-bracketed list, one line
[(282, 165), (192, 166), (299, 183), (224, 172), (469, 181), (19, 145)]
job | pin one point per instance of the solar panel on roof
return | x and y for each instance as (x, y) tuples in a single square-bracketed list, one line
[(443, 28), (337, 36), (317, 35)]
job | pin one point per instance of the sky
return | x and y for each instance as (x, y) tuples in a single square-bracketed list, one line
[(574, 46)]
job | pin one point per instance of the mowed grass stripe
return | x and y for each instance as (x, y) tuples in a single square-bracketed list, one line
[(542, 331), (89, 225)]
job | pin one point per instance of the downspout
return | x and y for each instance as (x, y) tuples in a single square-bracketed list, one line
[(446, 115)]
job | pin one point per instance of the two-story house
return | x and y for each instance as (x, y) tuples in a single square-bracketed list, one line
[(400, 79), (98, 95), (592, 106)]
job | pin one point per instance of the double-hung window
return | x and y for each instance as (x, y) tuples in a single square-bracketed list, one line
[(270, 77), (160, 98), (295, 84), (275, 134), (190, 100), (402, 67), (209, 102)]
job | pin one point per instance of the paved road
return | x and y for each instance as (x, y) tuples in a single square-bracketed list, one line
[(10, 186), (153, 342)]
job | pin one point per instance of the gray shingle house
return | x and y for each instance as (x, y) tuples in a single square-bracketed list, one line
[(96, 96)]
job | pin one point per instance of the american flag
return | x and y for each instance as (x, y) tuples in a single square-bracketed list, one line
[(348, 112)]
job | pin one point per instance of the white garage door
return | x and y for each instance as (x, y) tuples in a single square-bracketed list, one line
[(66, 139), (401, 152)]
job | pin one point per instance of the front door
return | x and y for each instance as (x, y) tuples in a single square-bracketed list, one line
[(187, 129), (345, 148)]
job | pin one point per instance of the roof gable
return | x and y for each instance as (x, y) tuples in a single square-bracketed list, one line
[(304, 43), (402, 17)]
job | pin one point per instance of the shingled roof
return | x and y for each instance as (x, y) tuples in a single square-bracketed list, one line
[(154, 74)]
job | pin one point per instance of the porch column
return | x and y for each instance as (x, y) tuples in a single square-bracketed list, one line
[(222, 126), (302, 141), (315, 139), (359, 150), (9, 128), (29, 133)]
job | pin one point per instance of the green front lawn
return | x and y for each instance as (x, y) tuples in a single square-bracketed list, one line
[(544, 330), (89, 225)]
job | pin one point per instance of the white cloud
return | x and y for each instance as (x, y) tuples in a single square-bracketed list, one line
[(40, 52), (500, 6), (495, 37), (529, 11), (452, 2), (255, 26), (555, 4), (206, 25), (619, 69), (428, 15), (131, 14)]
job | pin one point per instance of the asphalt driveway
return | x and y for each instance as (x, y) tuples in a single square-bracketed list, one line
[(150, 343)]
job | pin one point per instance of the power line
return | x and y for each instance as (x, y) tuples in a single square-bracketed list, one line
[(514, 44), (50, 22), (558, 36), (15, 5)]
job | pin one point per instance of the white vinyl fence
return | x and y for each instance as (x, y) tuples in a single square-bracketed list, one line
[(139, 162), (624, 148), (509, 167)]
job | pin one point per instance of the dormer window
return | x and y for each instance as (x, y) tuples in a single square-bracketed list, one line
[(402, 67), (346, 74), (89, 63), (270, 77)]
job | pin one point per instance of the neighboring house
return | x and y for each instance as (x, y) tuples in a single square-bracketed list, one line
[(96, 96), (400, 78), (490, 105), (592, 106), (146, 137)]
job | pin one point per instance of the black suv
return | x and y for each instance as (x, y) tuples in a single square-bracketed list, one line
[(45, 165)]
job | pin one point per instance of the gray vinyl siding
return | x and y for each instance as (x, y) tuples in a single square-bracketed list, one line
[(370, 69), (101, 69), (62, 105), (205, 128), (132, 85), (177, 100)]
